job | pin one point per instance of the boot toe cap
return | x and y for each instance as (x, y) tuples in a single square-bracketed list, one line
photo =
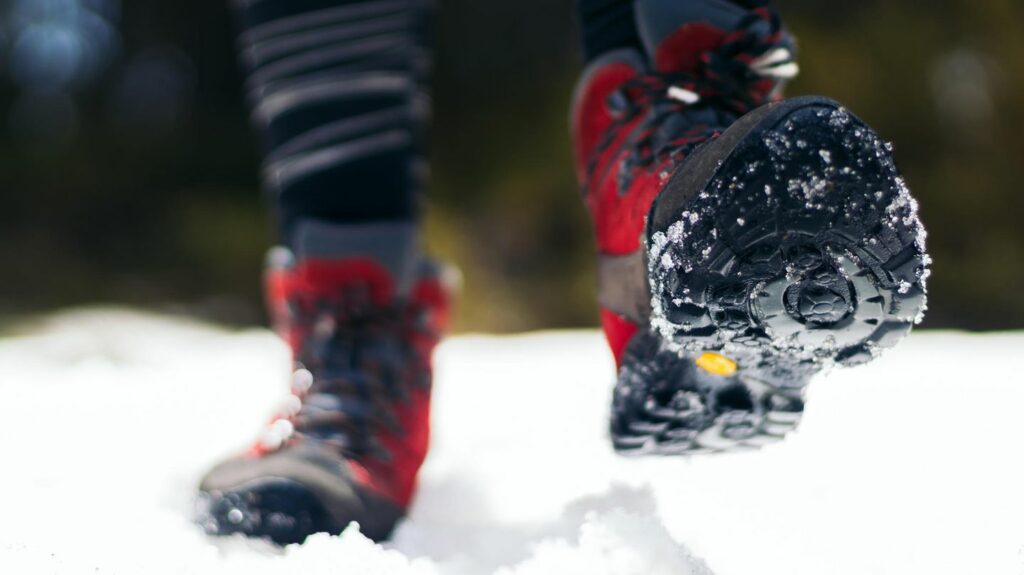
[(282, 510), (286, 496)]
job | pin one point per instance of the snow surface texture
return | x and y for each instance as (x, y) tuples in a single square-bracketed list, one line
[(910, 465)]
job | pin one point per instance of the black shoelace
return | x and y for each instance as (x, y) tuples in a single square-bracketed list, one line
[(356, 364), (685, 109)]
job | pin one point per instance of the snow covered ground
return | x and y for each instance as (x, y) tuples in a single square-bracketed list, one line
[(911, 465)]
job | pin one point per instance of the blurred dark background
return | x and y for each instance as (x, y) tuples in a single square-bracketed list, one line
[(128, 173)]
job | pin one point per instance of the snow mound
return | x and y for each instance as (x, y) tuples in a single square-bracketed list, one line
[(909, 465)]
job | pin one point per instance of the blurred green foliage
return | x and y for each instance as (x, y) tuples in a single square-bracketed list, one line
[(122, 207)]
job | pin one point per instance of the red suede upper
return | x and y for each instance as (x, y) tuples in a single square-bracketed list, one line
[(599, 151), (425, 316), (591, 117), (604, 143), (618, 331), (681, 51), (689, 47), (313, 280)]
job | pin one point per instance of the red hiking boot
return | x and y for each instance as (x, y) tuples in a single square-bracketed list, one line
[(743, 244), (354, 433)]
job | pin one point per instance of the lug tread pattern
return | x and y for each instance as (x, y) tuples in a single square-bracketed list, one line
[(803, 252)]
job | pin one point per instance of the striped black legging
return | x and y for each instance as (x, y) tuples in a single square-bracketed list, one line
[(338, 94)]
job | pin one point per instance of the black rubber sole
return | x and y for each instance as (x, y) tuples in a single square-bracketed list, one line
[(787, 245), (280, 510)]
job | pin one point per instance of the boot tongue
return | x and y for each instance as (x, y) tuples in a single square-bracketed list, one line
[(675, 33), (382, 252)]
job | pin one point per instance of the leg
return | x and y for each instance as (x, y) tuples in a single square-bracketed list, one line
[(337, 90), (338, 95), (606, 25)]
